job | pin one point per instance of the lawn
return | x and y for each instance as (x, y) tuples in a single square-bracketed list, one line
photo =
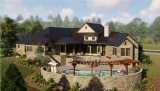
[(152, 46), (153, 74)]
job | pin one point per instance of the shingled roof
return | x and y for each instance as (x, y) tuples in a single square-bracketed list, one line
[(59, 35), (98, 28), (114, 39)]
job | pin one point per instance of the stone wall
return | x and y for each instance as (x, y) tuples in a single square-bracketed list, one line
[(21, 49), (122, 83)]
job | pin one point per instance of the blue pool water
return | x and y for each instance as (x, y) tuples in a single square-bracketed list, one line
[(95, 73)]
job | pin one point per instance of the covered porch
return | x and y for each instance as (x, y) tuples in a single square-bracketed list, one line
[(79, 49)]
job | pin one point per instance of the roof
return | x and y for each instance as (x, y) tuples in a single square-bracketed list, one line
[(114, 39), (96, 27), (60, 35)]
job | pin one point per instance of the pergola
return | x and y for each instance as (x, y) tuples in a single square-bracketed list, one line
[(94, 63)]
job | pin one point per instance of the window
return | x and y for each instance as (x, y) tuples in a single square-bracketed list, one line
[(85, 37), (18, 46), (122, 51), (28, 48), (87, 49), (93, 49), (85, 27), (114, 51), (127, 51), (93, 38), (62, 48)]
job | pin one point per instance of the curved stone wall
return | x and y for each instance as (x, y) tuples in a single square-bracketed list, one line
[(122, 83)]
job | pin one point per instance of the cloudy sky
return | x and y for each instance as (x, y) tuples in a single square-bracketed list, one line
[(116, 10)]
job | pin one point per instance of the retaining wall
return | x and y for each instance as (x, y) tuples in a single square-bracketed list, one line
[(122, 83)]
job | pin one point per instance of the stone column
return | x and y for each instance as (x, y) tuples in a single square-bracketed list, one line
[(111, 66), (126, 67)]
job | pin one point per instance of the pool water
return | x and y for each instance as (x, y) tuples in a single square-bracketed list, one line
[(95, 73)]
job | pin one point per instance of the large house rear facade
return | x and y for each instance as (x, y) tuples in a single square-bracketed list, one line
[(90, 40)]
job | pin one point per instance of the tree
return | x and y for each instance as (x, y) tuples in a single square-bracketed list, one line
[(137, 28), (155, 30), (94, 85), (58, 21), (76, 22), (19, 18), (66, 22), (32, 24), (12, 80), (117, 26), (8, 37)]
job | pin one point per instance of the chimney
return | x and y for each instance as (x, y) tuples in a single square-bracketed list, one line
[(106, 31)]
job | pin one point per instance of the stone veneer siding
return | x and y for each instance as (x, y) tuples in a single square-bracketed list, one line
[(30, 54), (122, 83)]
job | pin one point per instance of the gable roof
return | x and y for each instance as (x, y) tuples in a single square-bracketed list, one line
[(96, 27), (114, 39), (48, 35), (60, 35)]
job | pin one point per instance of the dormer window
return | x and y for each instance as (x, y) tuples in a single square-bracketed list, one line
[(93, 38), (85, 27), (86, 38), (90, 38)]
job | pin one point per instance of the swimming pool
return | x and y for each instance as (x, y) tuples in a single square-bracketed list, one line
[(95, 73)]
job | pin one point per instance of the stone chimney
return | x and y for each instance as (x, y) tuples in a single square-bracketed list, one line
[(107, 31)]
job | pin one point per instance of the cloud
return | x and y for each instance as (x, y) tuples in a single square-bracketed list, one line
[(93, 15), (67, 12), (152, 11), (123, 18), (108, 4), (13, 8)]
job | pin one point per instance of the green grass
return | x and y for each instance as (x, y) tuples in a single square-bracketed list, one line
[(152, 46), (154, 68), (153, 74)]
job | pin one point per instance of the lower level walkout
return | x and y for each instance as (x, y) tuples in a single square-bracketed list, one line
[(79, 49)]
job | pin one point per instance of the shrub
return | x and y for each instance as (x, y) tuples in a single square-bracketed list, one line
[(38, 78), (141, 85), (41, 61), (75, 87)]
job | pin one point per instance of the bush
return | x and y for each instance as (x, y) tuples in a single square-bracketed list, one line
[(38, 78), (40, 49), (141, 85), (75, 87), (12, 80), (41, 61), (145, 59)]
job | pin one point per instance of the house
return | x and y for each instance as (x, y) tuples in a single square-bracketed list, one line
[(90, 40)]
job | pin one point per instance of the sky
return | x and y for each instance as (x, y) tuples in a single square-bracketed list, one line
[(115, 10)]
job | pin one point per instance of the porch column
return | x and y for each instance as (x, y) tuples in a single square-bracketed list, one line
[(134, 66), (126, 67), (74, 50), (92, 67), (65, 48), (111, 66), (90, 49), (44, 50), (97, 49)]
